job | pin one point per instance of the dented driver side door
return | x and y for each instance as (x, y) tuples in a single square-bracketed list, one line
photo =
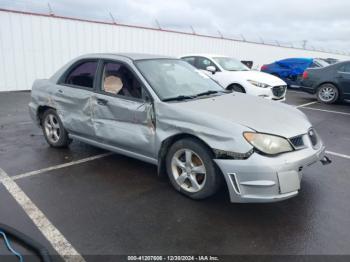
[(122, 114)]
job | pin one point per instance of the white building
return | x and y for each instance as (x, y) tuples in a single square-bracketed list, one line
[(36, 45)]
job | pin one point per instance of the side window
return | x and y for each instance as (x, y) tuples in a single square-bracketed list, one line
[(82, 75), (190, 60), (345, 68), (117, 79), (203, 63)]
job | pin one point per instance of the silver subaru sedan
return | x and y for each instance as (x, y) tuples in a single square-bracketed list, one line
[(163, 111)]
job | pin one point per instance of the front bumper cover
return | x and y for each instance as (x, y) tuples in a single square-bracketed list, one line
[(267, 179), (267, 93)]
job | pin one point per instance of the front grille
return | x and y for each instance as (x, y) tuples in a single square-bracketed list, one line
[(313, 136), (297, 141), (279, 90)]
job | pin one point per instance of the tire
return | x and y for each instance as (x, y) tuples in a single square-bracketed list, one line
[(54, 132), (191, 170), (236, 88), (327, 93)]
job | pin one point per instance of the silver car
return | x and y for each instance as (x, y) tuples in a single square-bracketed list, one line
[(163, 111)]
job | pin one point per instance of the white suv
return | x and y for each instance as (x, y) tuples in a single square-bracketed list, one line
[(233, 75)]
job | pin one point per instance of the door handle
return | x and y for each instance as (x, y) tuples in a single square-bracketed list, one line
[(102, 102), (60, 91)]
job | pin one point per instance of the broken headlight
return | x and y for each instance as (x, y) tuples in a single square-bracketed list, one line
[(222, 154), (268, 144)]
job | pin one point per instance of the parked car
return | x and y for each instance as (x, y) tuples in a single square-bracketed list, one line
[(233, 75), (163, 111), (291, 69), (247, 63), (330, 84)]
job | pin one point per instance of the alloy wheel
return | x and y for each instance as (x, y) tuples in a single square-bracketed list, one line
[(52, 128), (327, 93), (188, 170)]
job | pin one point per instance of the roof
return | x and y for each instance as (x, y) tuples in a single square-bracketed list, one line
[(134, 56), (205, 55), (296, 60)]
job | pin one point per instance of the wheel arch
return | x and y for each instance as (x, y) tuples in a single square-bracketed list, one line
[(328, 82), (167, 143), (41, 110), (230, 86)]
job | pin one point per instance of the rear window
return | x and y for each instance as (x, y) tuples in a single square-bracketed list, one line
[(82, 75)]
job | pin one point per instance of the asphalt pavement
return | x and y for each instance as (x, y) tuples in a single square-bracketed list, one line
[(108, 204)]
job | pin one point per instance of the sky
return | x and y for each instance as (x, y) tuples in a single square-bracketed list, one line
[(315, 23)]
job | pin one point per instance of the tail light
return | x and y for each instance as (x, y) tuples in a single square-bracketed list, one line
[(305, 74), (264, 67)]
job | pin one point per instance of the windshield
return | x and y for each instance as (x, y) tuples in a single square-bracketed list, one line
[(172, 78), (230, 64)]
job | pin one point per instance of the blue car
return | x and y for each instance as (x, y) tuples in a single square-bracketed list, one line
[(292, 69)]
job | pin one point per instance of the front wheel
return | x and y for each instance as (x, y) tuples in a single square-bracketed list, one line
[(191, 169), (327, 93), (54, 132)]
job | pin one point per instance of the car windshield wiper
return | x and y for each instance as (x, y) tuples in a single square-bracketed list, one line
[(178, 98), (209, 92)]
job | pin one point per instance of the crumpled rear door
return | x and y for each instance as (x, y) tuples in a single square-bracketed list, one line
[(74, 108)]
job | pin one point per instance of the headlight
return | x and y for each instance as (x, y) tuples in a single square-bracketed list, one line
[(268, 144), (258, 84)]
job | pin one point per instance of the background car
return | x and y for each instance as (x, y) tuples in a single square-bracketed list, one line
[(233, 75), (247, 63), (291, 69), (330, 84)]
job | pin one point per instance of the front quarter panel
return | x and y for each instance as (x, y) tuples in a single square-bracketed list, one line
[(216, 133)]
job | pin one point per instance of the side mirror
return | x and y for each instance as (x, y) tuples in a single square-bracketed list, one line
[(211, 69)]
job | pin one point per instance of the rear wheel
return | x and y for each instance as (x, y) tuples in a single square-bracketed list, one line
[(54, 132), (327, 93), (191, 169), (236, 88)]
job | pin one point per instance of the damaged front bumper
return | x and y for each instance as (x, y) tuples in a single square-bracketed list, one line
[(268, 179)]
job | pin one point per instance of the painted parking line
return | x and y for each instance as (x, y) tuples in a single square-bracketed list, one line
[(84, 160), (338, 154), (307, 104), (52, 234), (36, 172), (328, 111)]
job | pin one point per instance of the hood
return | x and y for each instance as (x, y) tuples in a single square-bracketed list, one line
[(258, 76), (256, 113)]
